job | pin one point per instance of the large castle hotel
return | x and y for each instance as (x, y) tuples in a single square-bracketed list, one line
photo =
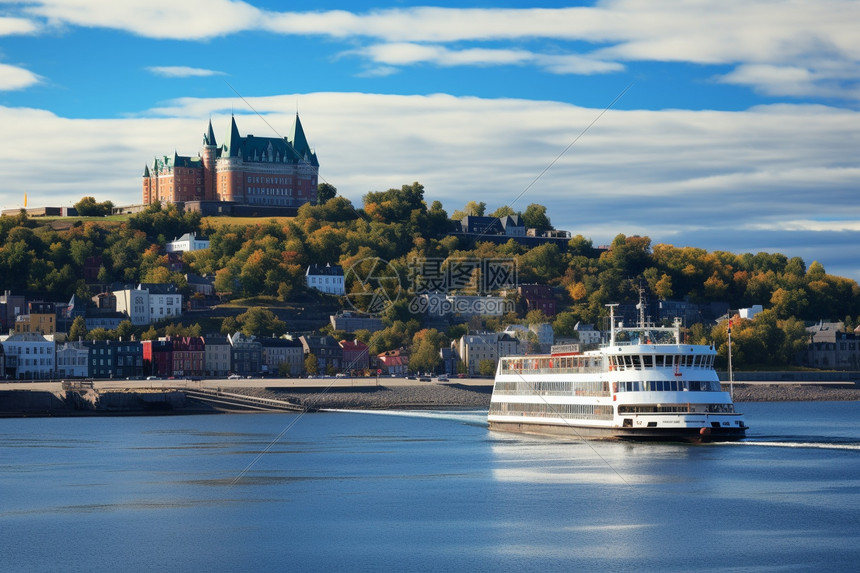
[(257, 171)]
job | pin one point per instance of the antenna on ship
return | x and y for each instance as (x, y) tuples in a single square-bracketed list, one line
[(731, 376), (643, 324), (612, 323)]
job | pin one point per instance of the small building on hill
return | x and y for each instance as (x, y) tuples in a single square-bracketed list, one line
[(327, 279)]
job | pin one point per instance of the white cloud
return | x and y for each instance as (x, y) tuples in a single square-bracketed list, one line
[(798, 81), (182, 71), (190, 19), (10, 26), (15, 78), (797, 48), (406, 53)]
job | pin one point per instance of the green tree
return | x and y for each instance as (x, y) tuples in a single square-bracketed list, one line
[(259, 321), (311, 364), (486, 367), (472, 208), (89, 207), (536, 316), (125, 330), (564, 324), (503, 211), (150, 334), (425, 356), (325, 191), (101, 334), (78, 330), (535, 217)]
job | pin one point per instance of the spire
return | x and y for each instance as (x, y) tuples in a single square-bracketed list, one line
[(234, 140), (298, 140), (146, 171), (209, 137)]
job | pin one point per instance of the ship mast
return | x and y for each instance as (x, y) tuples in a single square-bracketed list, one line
[(612, 323), (731, 376)]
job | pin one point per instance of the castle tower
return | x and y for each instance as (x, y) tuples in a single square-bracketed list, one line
[(147, 186), (209, 155), (229, 183)]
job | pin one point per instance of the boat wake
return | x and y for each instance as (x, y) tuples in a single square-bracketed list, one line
[(815, 444), (470, 417)]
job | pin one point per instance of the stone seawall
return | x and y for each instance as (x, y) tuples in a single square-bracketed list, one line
[(15, 403)]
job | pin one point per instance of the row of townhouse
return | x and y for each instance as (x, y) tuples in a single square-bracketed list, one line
[(31, 355), (142, 304)]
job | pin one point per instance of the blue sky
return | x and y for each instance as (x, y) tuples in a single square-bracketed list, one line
[(738, 127)]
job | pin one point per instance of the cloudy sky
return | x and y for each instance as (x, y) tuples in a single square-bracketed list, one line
[(726, 125)]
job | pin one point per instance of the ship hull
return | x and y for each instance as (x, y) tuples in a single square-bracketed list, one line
[(691, 435)]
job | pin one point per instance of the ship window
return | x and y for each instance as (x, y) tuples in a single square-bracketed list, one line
[(648, 361), (637, 361)]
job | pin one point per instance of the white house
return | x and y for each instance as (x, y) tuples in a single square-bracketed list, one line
[(30, 354), (72, 360), (545, 334), (149, 302), (187, 242), (474, 348), (327, 279), (587, 333)]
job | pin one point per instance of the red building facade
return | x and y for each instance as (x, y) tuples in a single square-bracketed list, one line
[(267, 171), (157, 357), (189, 353)]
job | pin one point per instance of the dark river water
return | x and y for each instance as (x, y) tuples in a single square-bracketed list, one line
[(425, 491)]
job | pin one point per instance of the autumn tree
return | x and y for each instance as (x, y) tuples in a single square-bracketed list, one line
[(471, 209), (425, 356)]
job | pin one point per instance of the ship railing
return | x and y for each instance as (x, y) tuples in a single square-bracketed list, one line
[(550, 370), (548, 364)]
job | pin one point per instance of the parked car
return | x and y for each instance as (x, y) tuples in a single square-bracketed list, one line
[(442, 379), (425, 379), (234, 377)]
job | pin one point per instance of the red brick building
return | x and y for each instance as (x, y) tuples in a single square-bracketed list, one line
[(538, 297), (264, 171), (189, 353), (355, 355), (157, 357)]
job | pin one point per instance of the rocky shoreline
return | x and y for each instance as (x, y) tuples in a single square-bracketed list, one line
[(439, 396)]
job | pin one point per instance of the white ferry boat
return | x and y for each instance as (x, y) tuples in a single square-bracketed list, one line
[(644, 384)]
